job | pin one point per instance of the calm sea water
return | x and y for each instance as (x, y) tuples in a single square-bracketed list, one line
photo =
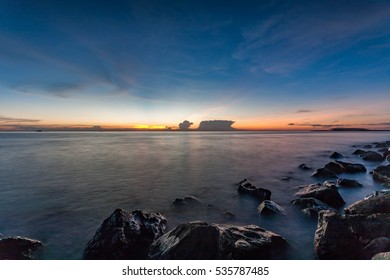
[(59, 187)]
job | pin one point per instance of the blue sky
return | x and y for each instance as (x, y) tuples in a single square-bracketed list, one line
[(263, 64)]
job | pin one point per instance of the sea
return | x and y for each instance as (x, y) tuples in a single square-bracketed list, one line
[(58, 187)]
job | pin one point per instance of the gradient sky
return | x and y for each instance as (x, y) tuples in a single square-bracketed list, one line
[(263, 64)]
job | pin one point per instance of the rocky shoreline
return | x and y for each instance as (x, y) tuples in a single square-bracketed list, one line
[(359, 231)]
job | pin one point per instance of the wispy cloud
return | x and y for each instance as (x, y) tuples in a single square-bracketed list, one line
[(4, 119), (304, 111)]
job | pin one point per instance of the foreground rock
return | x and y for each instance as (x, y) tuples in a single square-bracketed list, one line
[(374, 204), (125, 235), (268, 207), (203, 241), (311, 206), (326, 194), (332, 169), (382, 174), (349, 183), (372, 156), (345, 237), (378, 245), (19, 248), (382, 256), (246, 187)]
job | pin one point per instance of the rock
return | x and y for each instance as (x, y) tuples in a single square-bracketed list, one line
[(188, 201), (246, 187), (372, 156), (324, 173), (304, 167), (328, 195), (330, 184), (334, 167), (19, 248), (311, 206), (268, 207), (374, 204), (228, 215), (286, 178), (345, 237), (382, 256), (388, 158), (382, 144), (376, 193), (377, 245), (367, 146), (125, 235), (349, 183), (351, 167), (382, 174), (203, 241), (359, 152), (336, 155)]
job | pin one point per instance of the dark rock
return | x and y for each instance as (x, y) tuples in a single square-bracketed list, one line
[(311, 206), (359, 152), (382, 144), (202, 241), (351, 167), (348, 183), (382, 256), (367, 146), (268, 207), (324, 173), (334, 167), (328, 195), (388, 158), (383, 150), (377, 245), (19, 248), (228, 215), (336, 155), (304, 167), (345, 237), (188, 201), (382, 174), (125, 235), (246, 187), (286, 178), (374, 204), (376, 193), (372, 156)]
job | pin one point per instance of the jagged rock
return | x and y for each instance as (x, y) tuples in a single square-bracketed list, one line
[(372, 156), (188, 201), (125, 235), (336, 155), (246, 187), (345, 237), (374, 204), (376, 193), (203, 241), (19, 248), (328, 195), (268, 207), (382, 256), (311, 206), (348, 183), (359, 152), (351, 167), (377, 245), (324, 173), (382, 174), (334, 167), (303, 166)]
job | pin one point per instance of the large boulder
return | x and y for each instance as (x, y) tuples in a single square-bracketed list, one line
[(351, 167), (349, 183), (125, 235), (377, 245), (372, 156), (382, 256), (203, 241), (345, 237), (311, 206), (374, 204), (19, 248), (246, 187), (382, 174), (326, 194), (359, 152), (336, 155), (324, 173), (268, 207)]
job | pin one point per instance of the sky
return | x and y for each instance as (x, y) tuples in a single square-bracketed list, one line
[(154, 64)]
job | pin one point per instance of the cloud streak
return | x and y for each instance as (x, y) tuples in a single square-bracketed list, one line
[(6, 120)]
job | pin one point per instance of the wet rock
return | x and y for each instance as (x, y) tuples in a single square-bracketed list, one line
[(334, 167), (382, 256), (303, 166), (203, 241), (311, 206), (385, 144), (336, 155), (382, 174), (377, 245), (324, 173), (268, 207), (286, 178), (351, 167), (376, 193), (388, 158), (372, 156), (246, 187), (125, 235), (228, 215), (19, 248), (328, 195), (367, 146), (349, 183), (374, 204), (345, 237), (359, 152), (188, 201)]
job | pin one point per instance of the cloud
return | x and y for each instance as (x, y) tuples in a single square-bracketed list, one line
[(185, 125), (216, 125), (318, 125), (304, 111), (17, 120)]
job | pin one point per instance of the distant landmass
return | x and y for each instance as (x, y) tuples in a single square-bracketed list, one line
[(349, 129), (216, 125)]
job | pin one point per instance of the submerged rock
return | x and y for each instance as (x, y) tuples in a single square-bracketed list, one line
[(19, 248), (125, 235), (349, 183), (351, 167), (374, 204), (336, 155), (372, 156), (359, 152), (228, 215), (303, 166), (203, 241), (188, 201), (382, 174), (324, 173), (246, 187), (311, 206), (328, 195), (268, 207)]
